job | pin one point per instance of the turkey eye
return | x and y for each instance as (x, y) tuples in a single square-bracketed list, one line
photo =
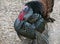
[(26, 9)]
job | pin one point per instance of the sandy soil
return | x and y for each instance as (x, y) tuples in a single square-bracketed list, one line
[(9, 10)]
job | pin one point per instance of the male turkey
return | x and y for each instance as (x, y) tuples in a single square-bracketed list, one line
[(31, 19)]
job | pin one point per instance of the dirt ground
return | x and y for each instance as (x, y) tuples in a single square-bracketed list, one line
[(9, 10)]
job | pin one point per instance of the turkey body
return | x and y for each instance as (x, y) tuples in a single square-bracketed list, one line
[(42, 7)]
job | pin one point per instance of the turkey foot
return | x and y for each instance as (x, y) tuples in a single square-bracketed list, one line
[(50, 20)]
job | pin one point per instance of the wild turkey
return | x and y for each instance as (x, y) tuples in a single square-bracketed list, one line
[(36, 15)]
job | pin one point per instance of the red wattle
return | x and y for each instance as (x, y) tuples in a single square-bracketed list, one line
[(21, 16)]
